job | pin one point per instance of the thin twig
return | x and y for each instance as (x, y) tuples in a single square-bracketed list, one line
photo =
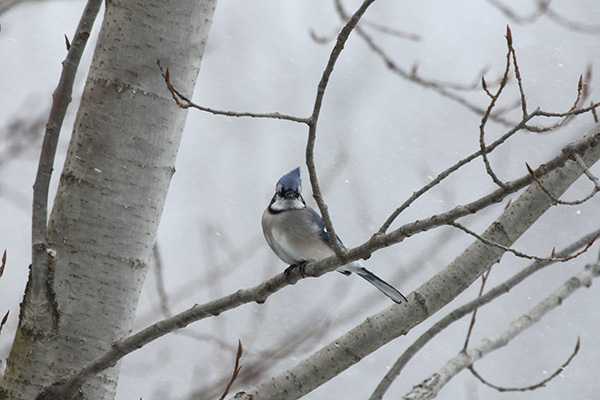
[(555, 199), (259, 293), (518, 77), (530, 387), (444, 174), (465, 359), (494, 98), (236, 369), (312, 129), (4, 319), (518, 253), (577, 111), (185, 102), (567, 115), (469, 307), (3, 265), (587, 172), (484, 278)]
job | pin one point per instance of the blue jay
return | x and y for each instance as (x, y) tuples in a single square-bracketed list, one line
[(297, 234)]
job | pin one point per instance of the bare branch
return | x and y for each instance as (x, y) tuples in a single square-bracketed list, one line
[(4, 319), (42, 312), (543, 8), (312, 128), (3, 265), (518, 253), (236, 370), (576, 111), (587, 172), (527, 19), (484, 278), (444, 89), (494, 98), (185, 102), (465, 359), (531, 387), (557, 200), (392, 31), (443, 175), (526, 209), (469, 307), (567, 116)]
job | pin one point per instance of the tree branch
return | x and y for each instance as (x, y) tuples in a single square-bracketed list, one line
[(312, 128), (443, 175), (469, 307), (442, 288), (530, 387), (185, 102), (392, 322), (431, 386), (38, 310)]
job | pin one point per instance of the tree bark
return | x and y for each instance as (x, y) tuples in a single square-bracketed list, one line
[(111, 193)]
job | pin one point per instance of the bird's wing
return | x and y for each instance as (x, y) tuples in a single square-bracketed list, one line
[(322, 229)]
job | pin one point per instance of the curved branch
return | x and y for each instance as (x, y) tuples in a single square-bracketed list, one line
[(468, 308), (395, 320), (443, 175), (442, 288), (530, 387), (431, 386), (312, 129)]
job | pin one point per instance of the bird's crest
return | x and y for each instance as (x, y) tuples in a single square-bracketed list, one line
[(290, 182)]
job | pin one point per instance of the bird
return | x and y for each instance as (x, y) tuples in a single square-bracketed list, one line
[(297, 235)]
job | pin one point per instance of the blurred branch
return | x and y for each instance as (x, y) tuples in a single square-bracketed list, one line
[(21, 134), (442, 88), (469, 307), (543, 8), (431, 386), (236, 370), (257, 368), (163, 298)]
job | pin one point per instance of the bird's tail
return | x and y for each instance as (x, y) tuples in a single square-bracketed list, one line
[(374, 280)]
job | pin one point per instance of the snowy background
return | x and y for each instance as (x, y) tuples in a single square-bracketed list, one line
[(380, 138)]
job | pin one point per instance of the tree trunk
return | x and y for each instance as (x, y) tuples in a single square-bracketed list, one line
[(111, 194)]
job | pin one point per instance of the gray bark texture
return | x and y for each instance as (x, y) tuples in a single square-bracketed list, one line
[(111, 194)]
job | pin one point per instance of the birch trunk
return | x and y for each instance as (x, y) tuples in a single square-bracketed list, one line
[(111, 193)]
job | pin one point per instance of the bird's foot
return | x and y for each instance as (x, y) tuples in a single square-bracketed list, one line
[(301, 268)]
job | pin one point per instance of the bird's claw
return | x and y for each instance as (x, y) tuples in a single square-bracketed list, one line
[(301, 268)]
